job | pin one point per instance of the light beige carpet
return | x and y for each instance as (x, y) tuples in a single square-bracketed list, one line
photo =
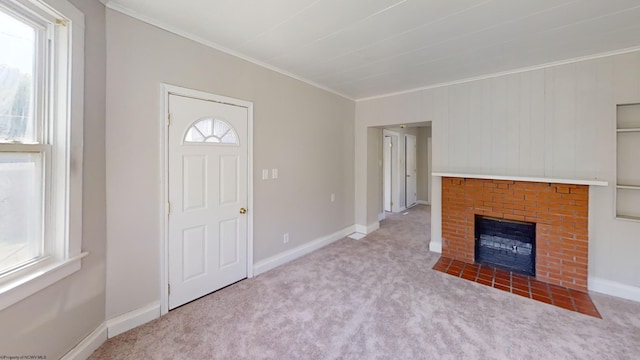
[(378, 298)]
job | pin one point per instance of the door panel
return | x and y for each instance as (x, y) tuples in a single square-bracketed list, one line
[(229, 172), (195, 180), (195, 249), (207, 187), (229, 242)]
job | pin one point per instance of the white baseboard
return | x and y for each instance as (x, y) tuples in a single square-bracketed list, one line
[(613, 288), (423, 202), (402, 209), (88, 345), (382, 216), (369, 228), (283, 258), (435, 247), (132, 319)]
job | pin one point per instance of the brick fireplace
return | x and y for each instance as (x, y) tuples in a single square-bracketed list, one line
[(559, 211)]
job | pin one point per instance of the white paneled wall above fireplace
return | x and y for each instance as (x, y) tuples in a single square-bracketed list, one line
[(544, 123)]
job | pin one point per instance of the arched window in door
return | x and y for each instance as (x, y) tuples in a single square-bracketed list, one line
[(211, 130)]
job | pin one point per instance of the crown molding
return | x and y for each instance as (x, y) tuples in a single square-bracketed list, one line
[(508, 72)]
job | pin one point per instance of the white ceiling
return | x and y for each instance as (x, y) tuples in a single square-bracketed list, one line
[(364, 48)]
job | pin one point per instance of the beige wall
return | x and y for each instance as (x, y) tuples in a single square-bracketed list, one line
[(553, 122), (305, 132), (52, 321)]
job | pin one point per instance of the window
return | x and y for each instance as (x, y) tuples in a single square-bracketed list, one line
[(41, 95), (211, 131)]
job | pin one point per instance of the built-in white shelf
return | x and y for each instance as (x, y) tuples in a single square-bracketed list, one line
[(630, 187), (628, 218), (594, 182), (628, 130), (627, 171)]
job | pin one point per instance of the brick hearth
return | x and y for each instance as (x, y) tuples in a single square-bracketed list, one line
[(560, 212)]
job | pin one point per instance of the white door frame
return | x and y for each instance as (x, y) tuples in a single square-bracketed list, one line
[(407, 170), (395, 169), (429, 168), (168, 90), (387, 173)]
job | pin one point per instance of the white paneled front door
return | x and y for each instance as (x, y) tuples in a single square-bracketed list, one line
[(207, 197)]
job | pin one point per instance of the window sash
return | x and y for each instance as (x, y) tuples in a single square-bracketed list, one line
[(44, 233), (42, 23)]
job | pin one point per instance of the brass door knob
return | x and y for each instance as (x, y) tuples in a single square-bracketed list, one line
[(243, 211)]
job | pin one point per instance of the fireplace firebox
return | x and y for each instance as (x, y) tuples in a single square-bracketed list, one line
[(506, 244)]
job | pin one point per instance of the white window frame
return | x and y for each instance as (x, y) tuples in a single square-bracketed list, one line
[(63, 108)]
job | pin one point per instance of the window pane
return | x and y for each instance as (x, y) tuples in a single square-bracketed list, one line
[(204, 126), (230, 138), (17, 54), (220, 128), (21, 237), (194, 135)]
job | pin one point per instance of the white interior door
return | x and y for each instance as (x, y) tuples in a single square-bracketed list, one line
[(207, 192), (387, 166), (411, 195)]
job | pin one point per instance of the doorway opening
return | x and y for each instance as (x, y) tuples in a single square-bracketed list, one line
[(399, 160), (405, 167)]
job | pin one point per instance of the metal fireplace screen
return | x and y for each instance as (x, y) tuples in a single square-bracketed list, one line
[(506, 244)]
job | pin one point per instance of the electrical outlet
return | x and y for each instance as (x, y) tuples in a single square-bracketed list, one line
[(274, 173), (285, 238), (265, 174)]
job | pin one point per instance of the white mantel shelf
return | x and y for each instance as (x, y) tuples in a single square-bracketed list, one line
[(594, 182)]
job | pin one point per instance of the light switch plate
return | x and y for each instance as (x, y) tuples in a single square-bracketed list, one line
[(274, 173), (265, 174)]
